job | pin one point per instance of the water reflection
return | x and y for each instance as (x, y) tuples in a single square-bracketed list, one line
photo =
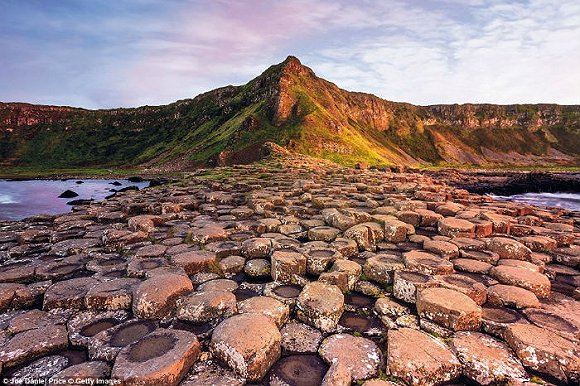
[(21, 199)]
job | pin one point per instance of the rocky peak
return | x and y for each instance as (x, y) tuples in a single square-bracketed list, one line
[(292, 65)]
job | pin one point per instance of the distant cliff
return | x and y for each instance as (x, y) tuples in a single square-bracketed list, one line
[(288, 104)]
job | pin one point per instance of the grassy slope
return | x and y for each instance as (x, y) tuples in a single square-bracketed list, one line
[(320, 120)]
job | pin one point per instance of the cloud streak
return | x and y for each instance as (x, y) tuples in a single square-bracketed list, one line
[(108, 54)]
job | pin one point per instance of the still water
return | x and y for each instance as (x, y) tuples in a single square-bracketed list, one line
[(562, 200), (21, 199)]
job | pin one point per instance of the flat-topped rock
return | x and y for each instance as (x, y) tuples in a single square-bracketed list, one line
[(195, 261), (116, 294), (442, 248), (545, 351), (162, 357), (206, 305), (381, 268), (320, 305), (456, 227), (298, 338), (486, 360), (511, 296), (32, 344), (361, 356), (509, 248), (420, 359), (249, 344), (286, 265), (155, 297), (449, 308), (426, 262), (69, 293), (273, 309), (521, 277)]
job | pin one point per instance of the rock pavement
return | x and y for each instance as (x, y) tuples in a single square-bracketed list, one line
[(294, 271)]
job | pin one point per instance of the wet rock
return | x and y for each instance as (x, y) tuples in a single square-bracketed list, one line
[(419, 359), (511, 296), (300, 338), (286, 265), (486, 360), (68, 194), (360, 355), (449, 308), (524, 278), (83, 326), (249, 344), (68, 294), (545, 351), (273, 309), (156, 297), (554, 322), (162, 357), (204, 306), (106, 344), (302, 370), (32, 344), (195, 261), (495, 320), (320, 305)]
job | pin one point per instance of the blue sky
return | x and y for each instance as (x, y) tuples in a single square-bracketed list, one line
[(102, 53)]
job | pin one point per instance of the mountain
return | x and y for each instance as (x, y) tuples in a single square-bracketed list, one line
[(289, 105)]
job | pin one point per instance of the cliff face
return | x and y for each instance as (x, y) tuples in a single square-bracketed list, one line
[(288, 104)]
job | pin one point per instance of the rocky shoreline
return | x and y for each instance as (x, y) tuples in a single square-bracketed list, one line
[(507, 183), (294, 271)]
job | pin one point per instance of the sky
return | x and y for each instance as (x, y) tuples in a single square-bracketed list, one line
[(124, 53)]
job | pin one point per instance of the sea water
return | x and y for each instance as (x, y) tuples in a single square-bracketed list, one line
[(21, 199), (569, 201)]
